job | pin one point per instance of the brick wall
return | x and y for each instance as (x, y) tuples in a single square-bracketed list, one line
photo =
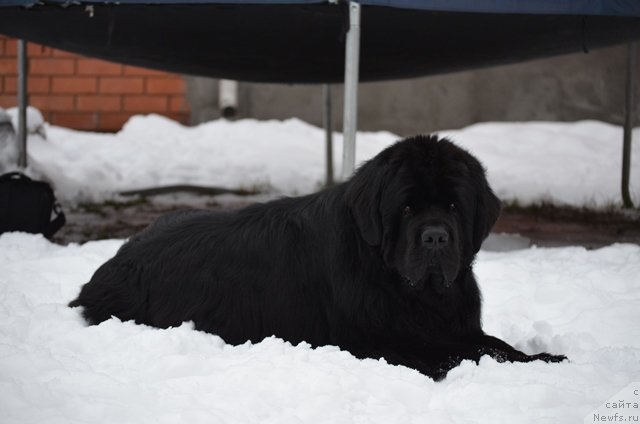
[(89, 94)]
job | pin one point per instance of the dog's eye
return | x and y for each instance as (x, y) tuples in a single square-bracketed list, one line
[(452, 207), (407, 211)]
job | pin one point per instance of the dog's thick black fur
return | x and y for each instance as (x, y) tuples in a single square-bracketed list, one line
[(379, 266)]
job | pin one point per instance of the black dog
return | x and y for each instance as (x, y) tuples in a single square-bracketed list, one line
[(379, 266)]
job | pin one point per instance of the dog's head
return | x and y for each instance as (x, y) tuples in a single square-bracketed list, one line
[(427, 205)]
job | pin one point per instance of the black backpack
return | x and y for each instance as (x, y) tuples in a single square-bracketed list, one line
[(28, 205)]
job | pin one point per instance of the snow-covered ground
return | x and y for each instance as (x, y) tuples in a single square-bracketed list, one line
[(565, 163), (585, 304), (54, 369)]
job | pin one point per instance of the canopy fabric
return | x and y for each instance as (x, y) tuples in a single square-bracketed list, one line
[(560, 7), (303, 40)]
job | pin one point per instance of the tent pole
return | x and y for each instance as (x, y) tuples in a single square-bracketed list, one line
[(628, 124), (22, 103), (328, 128), (351, 73)]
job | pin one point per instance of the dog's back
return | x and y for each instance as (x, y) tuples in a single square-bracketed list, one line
[(231, 273)]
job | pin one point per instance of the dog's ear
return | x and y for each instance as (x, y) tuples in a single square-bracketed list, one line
[(363, 196), (487, 211)]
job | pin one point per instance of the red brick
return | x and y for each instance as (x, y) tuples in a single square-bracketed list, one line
[(99, 103), (74, 85), (11, 47), (39, 85), (172, 85), (112, 121), (145, 72), (178, 104), (146, 103), (35, 85), (121, 85), (38, 50), (52, 103), (76, 120), (46, 115), (7, 101), (63, 53), (2, 46), (8, 67), (181, 117), (51, 66), (10, 85), (98, 67)]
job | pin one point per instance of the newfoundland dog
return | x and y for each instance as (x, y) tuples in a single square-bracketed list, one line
[(380, 265)]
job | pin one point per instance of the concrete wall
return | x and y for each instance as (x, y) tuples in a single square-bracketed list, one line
[(564, 88)]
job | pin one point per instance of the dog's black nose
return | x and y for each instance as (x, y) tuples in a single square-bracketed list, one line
[(435, 237)]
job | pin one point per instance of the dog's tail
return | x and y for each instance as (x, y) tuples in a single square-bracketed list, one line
[(114, 290)]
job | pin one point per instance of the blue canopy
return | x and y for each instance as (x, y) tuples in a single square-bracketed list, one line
[(560, 7), (303, 40)]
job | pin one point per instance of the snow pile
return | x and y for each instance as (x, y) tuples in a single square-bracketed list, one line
[(565, 163), (8, 145), (285, 157), (578, 164), (55, 369)]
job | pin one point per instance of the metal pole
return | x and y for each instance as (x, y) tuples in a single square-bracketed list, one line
[(628, 124), (328, 128), (351, 71), (22, 103)]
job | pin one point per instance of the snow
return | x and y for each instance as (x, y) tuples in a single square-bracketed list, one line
[(582, 303), (35, 123), (55, 369), (575, 164), (8, 146)]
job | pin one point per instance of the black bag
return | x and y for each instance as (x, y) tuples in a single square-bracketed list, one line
[(28, 205)]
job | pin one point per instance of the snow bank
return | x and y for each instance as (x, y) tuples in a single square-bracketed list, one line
[(285, 157), (566, 163), (577, 164), (54, 369)]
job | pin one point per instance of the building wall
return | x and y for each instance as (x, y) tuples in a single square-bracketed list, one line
[(89, 94), (564, 88), (85, 93)]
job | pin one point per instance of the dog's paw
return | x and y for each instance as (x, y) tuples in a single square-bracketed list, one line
[(547, 357), (496, 354)]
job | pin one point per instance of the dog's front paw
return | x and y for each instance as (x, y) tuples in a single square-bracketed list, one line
[(496, 354), (548, 357)]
